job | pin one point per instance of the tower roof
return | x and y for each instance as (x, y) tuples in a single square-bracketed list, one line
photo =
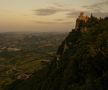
[(82, 13)]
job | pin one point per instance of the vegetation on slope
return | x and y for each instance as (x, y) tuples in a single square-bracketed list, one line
[(83, 66)]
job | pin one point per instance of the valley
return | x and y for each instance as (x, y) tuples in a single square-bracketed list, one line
[(23, 53)]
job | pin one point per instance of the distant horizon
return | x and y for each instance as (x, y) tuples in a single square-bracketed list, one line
[(42, 31), (47, 15), (36, 32)]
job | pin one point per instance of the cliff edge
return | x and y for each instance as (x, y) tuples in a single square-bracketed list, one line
[(81, 62)]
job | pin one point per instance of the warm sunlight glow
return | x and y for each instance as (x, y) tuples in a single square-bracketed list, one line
[(46, 15)]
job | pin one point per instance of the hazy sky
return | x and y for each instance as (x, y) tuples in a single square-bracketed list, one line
[(46, 15)]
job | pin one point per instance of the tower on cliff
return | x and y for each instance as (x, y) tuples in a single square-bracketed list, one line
[(81, 18)]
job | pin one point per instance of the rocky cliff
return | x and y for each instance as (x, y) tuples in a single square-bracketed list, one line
[(81, 62)]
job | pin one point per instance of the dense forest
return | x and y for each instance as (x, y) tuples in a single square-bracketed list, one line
[(81, 62)]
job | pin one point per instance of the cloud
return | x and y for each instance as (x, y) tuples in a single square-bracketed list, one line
[(57, 4), (72, 14), (44, 22), (98, 7), (46, 12), (100, 14), (59, 19), (50, 11), (55, 22)]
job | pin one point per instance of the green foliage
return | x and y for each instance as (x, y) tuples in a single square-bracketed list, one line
[(84, 66), (92, 21)]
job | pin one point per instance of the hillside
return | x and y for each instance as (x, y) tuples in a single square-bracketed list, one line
[(81, 62)]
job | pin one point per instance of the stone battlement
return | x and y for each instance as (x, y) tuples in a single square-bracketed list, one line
[(82, 17)]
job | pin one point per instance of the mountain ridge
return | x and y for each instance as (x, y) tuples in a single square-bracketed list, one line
[(80, 64)]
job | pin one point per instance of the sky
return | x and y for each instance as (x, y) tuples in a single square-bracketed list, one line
[(46, 15)]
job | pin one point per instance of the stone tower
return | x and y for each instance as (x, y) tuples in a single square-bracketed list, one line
[(82, 17)]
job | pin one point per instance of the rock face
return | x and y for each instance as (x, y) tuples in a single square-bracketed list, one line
[(81, 66), (80, 27)]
